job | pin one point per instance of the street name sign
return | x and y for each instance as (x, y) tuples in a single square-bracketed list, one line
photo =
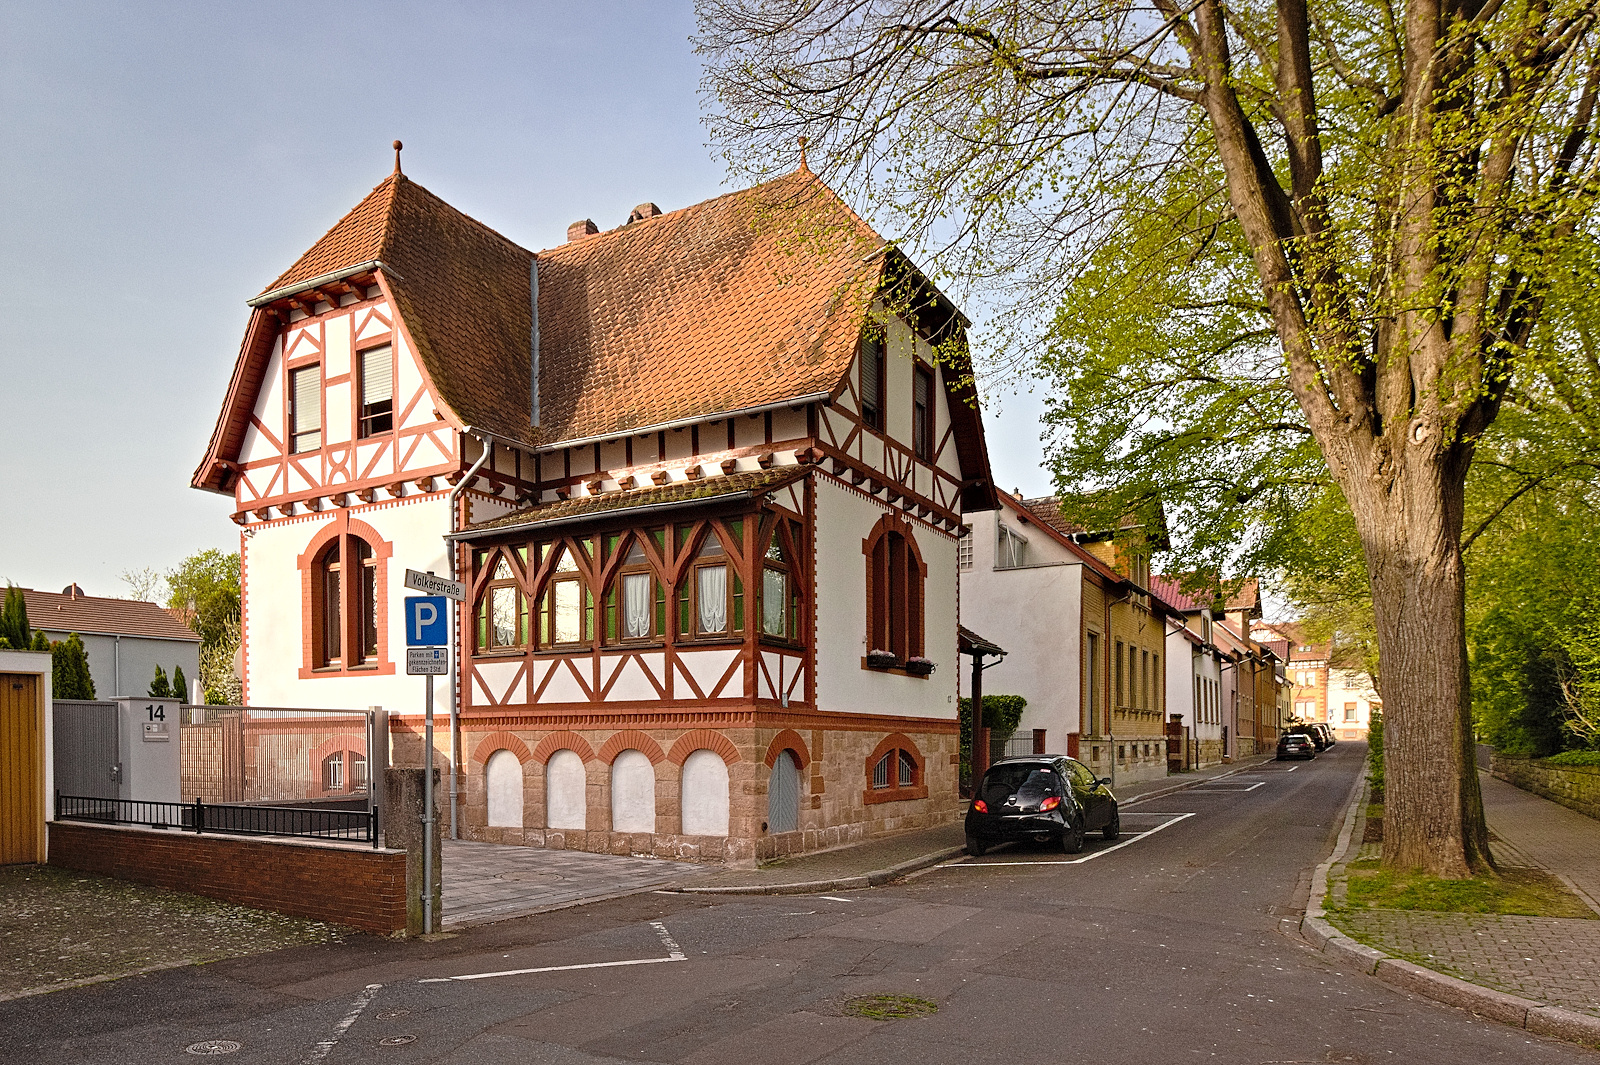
[(418, 581), (432, 661)]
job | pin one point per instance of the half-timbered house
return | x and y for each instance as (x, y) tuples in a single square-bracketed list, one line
[(703, 473)]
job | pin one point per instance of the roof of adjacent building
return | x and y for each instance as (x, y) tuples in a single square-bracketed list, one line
[(676, 493), (92, 615), (749, 299), (1246, 597)]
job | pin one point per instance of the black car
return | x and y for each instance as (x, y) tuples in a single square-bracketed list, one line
[(1296, 745), (1043, 797)]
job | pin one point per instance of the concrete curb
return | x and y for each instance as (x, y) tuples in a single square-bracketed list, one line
[(894, 872), (1528, 1014)]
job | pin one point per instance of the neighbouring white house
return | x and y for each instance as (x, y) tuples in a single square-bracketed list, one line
[(1195, 690), (1352, 700), (702, 473), (125, 639), (1084, 639)]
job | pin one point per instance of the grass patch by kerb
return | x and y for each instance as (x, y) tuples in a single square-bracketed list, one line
[(1521, 892)]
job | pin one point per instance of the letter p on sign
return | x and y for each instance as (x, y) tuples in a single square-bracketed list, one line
[(427, 623)]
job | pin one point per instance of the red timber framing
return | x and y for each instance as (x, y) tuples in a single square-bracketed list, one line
[(594, 663)]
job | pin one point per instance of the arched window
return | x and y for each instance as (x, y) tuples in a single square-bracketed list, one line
[(333, 772), (345, 603), (633, 793), (783, 794), (895, 575), (566, 609), (503, 781), (502, 611), (566, 787), (636, 603), (710, 595), (895, 771), (781, 585), (705, 794)]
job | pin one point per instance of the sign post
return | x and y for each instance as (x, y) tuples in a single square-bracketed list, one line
[(426, 632), (432, 585)]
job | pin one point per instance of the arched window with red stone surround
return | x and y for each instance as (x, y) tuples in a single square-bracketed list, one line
[(895, 578)]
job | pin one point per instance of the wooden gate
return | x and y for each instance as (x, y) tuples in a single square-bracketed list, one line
[(21, 769)]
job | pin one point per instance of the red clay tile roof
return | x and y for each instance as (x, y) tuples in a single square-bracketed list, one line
[(88, 614), (681, 492), (1170, 590), (750, 298)]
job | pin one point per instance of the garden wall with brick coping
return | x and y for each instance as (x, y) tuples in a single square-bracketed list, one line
[(356, 886), (1574, 786)]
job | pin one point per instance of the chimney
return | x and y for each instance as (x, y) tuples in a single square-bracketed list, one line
[(579, 230), (643, 211)]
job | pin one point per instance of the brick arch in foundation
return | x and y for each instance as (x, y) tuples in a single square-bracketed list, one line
[(703, 739), (788, 740), (631, 738), (498, 741), (559, 741)]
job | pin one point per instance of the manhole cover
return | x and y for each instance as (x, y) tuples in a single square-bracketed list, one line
[(397, 1040), (529, 874), (211, 1047), (889, 1007)]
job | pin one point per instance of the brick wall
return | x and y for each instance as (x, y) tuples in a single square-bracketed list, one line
[(360, 887), (1573, 786)]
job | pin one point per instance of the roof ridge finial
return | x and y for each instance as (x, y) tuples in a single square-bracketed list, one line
[(397, 147), (803, 140)]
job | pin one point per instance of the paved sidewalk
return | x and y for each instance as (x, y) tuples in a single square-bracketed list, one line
[(882, 858), (486, 882), (1546, 960)]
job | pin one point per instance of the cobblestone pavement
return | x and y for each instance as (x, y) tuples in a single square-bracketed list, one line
[(1550, 959), (489, 882), (1546, 834)]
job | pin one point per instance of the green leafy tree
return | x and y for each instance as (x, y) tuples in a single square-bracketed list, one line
[(180, 686), (1268, 251), (160, 687), (222, 687), (204, 590), (69, 668), (41, 642)]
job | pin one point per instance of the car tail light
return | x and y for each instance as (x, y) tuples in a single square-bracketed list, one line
[(980, 806), (1051, 803)]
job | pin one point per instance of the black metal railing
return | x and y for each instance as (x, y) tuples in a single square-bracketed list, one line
[(357, 826)]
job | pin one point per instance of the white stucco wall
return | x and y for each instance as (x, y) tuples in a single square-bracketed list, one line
[(633, 793), (844, 518), (414, 527), (503, 774), (1350, 686), (1034, 612), (566, 790), (1189, 666), (705, 794)]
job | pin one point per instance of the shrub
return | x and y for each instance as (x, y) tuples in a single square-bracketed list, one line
[(1574, 758), (1375, 749)]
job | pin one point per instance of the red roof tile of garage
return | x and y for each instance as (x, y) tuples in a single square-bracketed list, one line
[(55, 612)]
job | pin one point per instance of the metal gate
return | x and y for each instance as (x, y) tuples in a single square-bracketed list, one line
[(86, 749), (783, 794)]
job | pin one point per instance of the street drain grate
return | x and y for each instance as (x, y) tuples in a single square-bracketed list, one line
[(207, 1048), (889, 1007), (397, 1040)]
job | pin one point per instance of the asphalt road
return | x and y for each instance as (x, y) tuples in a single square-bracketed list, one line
[(1165, 949)]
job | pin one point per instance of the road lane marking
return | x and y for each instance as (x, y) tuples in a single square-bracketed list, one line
[(1291, 769), (1175, 818), (674, 953), (835, 898), (362, 1001), (1206, 789), (550, 969)]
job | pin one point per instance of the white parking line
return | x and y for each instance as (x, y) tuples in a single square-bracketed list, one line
[(363, 1000), (1203, 788), (835, 898), (1175, 818), (674, 953)]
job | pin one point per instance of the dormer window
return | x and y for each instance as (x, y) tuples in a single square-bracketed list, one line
[(1011, 550), (872, 382), (377, 390), (305, 409)]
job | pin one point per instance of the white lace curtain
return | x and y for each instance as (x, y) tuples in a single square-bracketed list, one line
[(636, 606), (713, 596)]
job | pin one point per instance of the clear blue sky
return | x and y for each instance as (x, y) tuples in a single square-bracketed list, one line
[(160, 163)]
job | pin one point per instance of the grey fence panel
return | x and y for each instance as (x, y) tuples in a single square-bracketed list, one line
[(85, 748)]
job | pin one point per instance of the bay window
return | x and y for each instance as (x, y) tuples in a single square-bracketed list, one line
[(502, 611), (635, 604), (566, 609), (780, 585), (710, 595)]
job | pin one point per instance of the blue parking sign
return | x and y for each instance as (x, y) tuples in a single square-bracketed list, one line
[(427, 621)]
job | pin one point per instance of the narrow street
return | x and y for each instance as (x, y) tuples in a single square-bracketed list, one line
[(1163, 947)]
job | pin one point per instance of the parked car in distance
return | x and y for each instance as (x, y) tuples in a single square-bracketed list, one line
[(1327, 733), (1044, 797), (1296, 744)]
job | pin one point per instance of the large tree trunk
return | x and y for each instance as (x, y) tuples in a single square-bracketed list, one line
[(1411, 533)]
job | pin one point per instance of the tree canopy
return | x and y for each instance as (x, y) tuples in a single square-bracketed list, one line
[(1277, 257)]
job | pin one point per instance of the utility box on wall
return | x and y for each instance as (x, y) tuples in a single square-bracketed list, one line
[(149, 751)]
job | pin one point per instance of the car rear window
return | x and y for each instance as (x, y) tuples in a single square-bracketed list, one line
[(1029, 782)]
